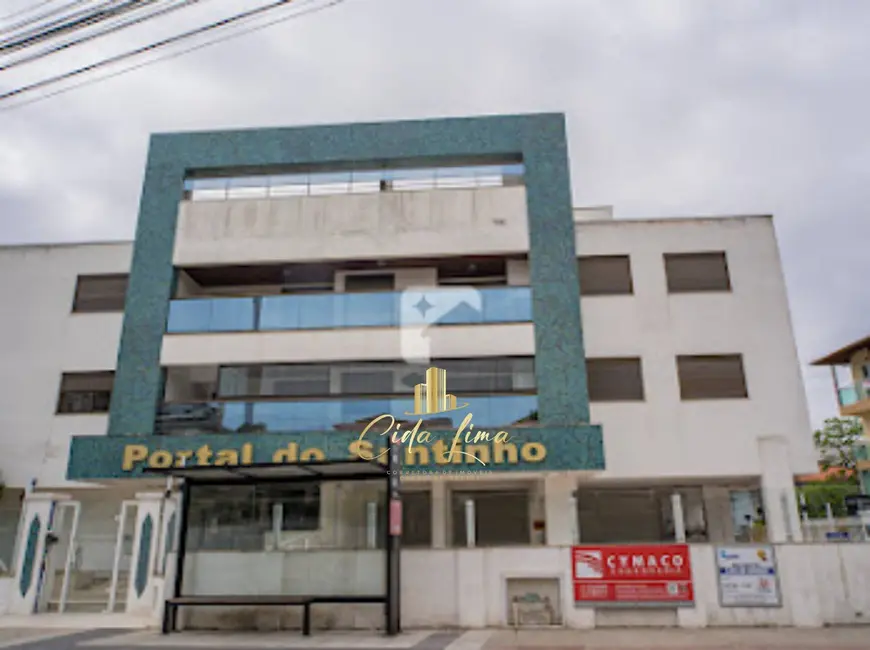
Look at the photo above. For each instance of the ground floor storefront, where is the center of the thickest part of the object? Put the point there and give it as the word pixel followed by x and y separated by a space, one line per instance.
pixel 475 553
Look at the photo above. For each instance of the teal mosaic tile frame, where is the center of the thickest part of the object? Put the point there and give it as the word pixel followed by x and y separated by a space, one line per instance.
pixel 538 140
pixel 527 449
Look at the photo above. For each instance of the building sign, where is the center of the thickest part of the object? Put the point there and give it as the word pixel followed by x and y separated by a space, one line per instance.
pixel 551 448
pixel 747 576
pixel 636 574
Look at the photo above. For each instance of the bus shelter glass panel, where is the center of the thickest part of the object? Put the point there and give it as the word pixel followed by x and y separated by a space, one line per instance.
pixel 287 538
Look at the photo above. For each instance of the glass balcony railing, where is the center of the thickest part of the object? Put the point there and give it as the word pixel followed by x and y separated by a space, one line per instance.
pixel 329 415
pixel 352 182
pixel 853 394
pixel 343 310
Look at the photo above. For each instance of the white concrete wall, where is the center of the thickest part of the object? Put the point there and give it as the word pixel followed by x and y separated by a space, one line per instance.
pixel 42 338
pixel 352 226
pixel 664 436
pixel 659 437
pixel 820 584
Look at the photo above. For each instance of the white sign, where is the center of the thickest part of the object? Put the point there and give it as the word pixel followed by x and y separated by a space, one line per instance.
pixel 747 576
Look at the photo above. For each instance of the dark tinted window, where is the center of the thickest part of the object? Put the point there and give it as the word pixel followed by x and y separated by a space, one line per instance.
pixel 501 518
pixel 95 293
pixel 85 392
pixel 605 275
pixel 416 519
pixel 364 381
pixel 711 377
pixel 687 272
pixel 486 375
pixel 615 380
pixel 362 283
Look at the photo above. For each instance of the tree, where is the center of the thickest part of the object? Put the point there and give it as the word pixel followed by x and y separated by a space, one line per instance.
pixel 816 495
pixel 836 442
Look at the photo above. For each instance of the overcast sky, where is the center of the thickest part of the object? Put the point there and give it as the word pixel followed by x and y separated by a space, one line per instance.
pixel 700 107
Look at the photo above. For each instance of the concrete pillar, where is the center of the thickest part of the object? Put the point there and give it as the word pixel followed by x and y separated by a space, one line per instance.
pixel 717 509
pixel 167 540
pixel 141 591
pixel 782 520
pixel 518 273
pixel 560 509
pixel 470 524
pixel 440 509
pixel 679 517
pixel 37 519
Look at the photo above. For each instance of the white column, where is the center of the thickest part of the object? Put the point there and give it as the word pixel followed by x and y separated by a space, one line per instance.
pixel 440 503
pixel 142 588
pixel 679 517
pixel 470 524
pixel 560 512
pixel 777 490
pixel 717 513
pixel 36 520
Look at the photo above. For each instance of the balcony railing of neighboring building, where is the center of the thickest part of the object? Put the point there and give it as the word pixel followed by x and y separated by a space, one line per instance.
pixel 333 415
pixel 338 310
pixel 850 391
pixel 352 182
pixel 849 395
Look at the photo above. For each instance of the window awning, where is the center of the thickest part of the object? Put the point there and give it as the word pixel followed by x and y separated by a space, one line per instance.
pixel 350 470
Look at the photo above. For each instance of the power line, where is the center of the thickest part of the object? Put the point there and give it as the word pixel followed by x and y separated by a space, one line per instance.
pixel 88 82
pixel 111 9
pixel 146 48
pixel 36 19
pixel 26 10
pixel 110 29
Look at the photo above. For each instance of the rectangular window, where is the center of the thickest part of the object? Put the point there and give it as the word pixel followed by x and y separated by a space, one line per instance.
pixel 369 381
pixel 100 293
pixel 615 379
pixel 501 517
pixel 274 381
pixel 299 506
pixel 493 375
pixel 416 519
pixel 479 272
pixel 711 377
pixel 85 392
pixel 364 283
pixel 690 272
pixel 605 275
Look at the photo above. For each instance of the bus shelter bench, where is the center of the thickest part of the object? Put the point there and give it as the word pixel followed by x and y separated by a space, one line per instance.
pixel 170 608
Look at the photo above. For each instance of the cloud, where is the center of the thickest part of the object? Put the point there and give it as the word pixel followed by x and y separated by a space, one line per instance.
pixel 674 108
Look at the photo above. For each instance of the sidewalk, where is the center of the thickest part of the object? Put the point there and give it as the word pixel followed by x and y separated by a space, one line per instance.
pixel 835 638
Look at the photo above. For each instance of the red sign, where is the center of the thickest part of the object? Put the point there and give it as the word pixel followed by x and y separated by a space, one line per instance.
pixel 395 517
pixel 636 573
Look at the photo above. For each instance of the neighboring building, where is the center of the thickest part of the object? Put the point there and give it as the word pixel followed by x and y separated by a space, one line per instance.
pixel 850 369
pixel 257 314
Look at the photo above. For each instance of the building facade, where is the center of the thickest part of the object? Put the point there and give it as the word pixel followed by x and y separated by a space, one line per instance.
pixel 287 286
pixel 850 371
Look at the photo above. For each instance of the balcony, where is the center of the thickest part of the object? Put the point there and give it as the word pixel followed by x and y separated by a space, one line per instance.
pixel 854 399
pixel 489 412
pixel 352 182
pixel 340 310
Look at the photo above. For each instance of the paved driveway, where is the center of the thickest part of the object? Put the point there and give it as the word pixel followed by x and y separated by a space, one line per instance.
pixel 839 638
pixel 856 638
